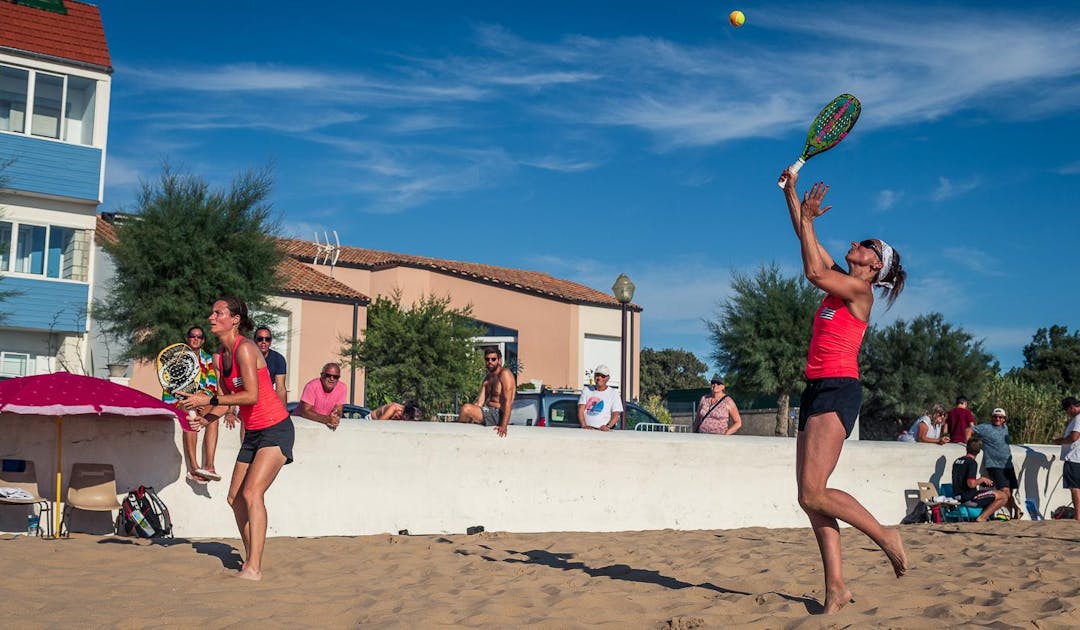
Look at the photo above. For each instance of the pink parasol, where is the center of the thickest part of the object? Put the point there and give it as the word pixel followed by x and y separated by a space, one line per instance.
pixel 64 394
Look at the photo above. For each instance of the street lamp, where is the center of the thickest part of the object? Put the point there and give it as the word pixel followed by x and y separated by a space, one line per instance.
pixel 624 292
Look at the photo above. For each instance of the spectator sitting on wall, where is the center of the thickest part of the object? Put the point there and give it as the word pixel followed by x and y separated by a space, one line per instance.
pixel 397 411
pixel 927 427
pixel 324 397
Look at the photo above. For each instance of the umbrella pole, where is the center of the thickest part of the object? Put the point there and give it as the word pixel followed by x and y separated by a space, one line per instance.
pixel 59 464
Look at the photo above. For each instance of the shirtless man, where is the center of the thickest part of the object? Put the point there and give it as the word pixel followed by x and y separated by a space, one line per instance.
pixel 496 398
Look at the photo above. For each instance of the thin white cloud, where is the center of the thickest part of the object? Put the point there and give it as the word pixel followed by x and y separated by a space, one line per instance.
pixel 1072 168
pixel 980 262
pixel 947 188
pixel 886 199
pixel 908 64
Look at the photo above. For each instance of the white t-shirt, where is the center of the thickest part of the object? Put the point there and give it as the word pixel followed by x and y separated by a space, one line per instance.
pixel 1071 452
pixel 599 405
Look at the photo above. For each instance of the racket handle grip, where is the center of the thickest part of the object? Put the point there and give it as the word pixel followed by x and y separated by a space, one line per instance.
pixel 794 168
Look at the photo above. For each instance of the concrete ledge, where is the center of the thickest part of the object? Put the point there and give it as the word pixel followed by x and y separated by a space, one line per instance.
pixel 374 477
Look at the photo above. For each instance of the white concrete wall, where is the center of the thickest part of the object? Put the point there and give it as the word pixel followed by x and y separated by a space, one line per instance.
pixel 374 477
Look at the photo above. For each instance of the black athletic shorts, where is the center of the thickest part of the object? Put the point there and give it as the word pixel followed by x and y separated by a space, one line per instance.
pixel 281 435
pixel 1003 477
pixel 822 395
pixel 1071 475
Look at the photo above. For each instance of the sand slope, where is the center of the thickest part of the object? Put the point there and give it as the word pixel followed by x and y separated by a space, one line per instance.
pixel 1015 574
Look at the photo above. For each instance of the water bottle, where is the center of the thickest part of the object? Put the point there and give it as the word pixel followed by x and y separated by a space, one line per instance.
pixel 33 524
pixel 140 520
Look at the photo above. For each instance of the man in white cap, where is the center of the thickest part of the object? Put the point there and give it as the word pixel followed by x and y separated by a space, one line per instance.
pixel 600 406
pixel 1070 451
pixel 997 458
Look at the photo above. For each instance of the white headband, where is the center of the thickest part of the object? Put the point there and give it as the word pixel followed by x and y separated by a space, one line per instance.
pixel 888 257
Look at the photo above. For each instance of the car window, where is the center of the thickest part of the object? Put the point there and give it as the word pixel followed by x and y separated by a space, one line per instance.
pixel 635 415
pixel 525 411
pixel 563 413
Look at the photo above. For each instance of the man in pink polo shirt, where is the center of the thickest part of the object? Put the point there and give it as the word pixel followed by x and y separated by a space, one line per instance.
pixel 323 397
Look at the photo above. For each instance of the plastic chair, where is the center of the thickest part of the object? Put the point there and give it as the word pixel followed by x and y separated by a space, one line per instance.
pixel 20 474
pixel 92 488
pixel 959 512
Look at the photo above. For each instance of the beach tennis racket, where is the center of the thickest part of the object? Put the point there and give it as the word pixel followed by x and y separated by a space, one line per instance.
pixel 828 129
pixel 178 371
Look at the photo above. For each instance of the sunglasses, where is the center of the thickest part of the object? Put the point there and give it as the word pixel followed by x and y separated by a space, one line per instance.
pixel 331 376
pixel 263 339
pixel 196 337
pixel 600 375
pixel 872 246
pixel 491 359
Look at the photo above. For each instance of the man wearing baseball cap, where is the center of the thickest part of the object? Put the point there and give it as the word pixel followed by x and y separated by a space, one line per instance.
pixel 1070 451
pixel 599 406
pixel 997 458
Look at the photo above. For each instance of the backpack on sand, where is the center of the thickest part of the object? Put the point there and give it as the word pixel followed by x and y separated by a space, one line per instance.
pixel 144 515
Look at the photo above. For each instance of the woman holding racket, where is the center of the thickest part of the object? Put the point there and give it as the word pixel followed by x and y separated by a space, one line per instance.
pixel 833 395
pixel 267 445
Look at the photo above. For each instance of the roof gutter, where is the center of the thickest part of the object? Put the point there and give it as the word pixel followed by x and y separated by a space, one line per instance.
pixel 54 59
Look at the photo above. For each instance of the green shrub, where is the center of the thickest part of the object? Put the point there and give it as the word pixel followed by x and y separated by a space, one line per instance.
pixel 1034 411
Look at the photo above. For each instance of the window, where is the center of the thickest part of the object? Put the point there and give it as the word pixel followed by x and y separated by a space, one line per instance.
pixel 61 106
pixel 45 250
pixel 13 364
pixel 48 98
pixel 30 249
pixel 13 82
pixel 563 413
pixel 5 246
pixel 79 112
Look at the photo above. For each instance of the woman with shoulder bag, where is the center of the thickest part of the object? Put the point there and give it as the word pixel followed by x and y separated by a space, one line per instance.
pixel 717 412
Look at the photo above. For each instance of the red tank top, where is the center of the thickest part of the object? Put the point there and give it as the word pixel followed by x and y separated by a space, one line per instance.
pixel 267 410
pixel 834 346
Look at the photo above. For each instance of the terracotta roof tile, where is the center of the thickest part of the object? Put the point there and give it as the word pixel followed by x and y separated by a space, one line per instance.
pixel 77 36
pixel 533 282
pixel 302 281
pixel 297 278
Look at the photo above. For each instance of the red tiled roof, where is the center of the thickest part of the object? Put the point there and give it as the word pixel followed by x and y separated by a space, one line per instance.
pixel 297 278
pixel 77 36
pixel 533 282
pixel 302 281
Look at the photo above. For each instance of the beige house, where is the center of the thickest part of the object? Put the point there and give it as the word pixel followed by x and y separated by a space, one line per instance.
pixel 555 330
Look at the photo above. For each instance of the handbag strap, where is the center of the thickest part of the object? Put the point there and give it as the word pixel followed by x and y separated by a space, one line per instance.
pixel 697 425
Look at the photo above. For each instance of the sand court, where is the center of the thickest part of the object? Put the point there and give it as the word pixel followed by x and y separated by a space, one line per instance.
pixel 1006 574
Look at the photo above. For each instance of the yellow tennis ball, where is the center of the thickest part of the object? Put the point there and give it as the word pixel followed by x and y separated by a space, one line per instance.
pixel 736 18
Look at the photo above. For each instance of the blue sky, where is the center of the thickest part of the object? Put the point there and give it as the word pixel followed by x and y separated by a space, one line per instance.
pixel 591 139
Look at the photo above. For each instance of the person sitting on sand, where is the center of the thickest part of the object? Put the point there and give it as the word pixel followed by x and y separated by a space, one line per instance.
pixel 397 411
pixel 970 488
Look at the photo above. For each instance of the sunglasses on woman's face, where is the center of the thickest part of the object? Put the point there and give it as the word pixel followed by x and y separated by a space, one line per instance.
pixel 872 246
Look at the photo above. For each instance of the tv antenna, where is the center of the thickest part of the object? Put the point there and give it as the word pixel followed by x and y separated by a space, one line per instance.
pixel 326 251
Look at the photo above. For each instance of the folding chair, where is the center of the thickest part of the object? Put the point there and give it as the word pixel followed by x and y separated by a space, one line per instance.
pixel 93 488
pixel 959 512
pixel 20 474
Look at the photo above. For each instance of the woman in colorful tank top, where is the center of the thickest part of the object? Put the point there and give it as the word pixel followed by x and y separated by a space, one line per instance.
pixel 717 412
pixel 244 381
pixel 833 396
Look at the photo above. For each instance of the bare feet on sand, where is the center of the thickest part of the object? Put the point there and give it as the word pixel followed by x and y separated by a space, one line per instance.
pixel 894 549
pixel 834 604
pixel 249 574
